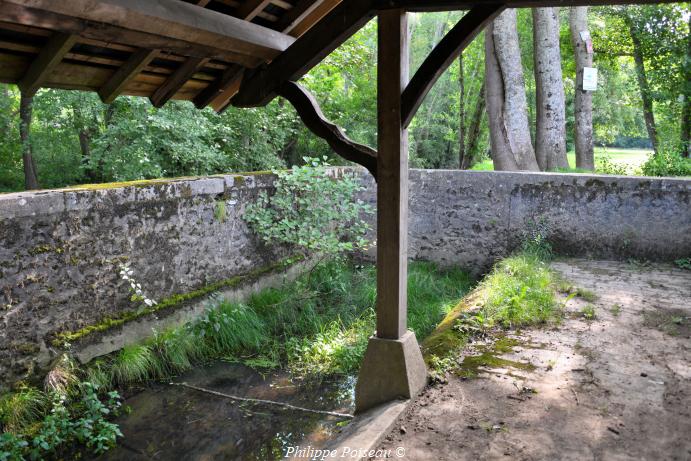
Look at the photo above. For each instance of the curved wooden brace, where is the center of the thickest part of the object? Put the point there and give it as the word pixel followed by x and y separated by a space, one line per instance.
pixel 312 116
pixel 441 57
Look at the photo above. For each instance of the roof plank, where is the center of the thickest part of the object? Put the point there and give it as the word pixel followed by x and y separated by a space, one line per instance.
pixel 59 44
pixel 173 19
pixel 119 80
pixel 231 78
pixel 251 9
pixel 177 80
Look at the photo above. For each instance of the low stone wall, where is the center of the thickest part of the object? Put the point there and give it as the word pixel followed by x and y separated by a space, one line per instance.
pixel 60 251
pixel 473 218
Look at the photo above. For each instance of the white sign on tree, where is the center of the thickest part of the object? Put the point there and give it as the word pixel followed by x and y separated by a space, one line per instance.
pixel 589 79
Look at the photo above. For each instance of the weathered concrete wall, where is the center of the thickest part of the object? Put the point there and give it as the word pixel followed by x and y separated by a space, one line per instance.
pixel 473 218
pixel 60 251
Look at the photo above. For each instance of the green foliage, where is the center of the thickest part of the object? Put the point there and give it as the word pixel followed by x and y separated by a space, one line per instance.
pixel 605 165
pixel 21 408
pixel 536 240
pixel 63 426
pixel 667 163
pixel 588 312
pixel 683 263
pixel 519 291
pixel 312 210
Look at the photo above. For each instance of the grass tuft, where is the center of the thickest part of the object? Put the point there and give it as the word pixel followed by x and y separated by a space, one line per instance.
pixel 20 409
pixel 136 363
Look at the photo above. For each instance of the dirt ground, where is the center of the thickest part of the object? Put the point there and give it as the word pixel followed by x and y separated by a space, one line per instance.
pixel 611 388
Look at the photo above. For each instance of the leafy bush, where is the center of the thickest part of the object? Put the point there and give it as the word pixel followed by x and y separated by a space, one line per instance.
pixel 312 210
pixel 605 165
pixel 69 423
pixel 667 163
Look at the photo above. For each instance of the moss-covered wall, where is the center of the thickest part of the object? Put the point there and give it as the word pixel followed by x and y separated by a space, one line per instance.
pixel 60 254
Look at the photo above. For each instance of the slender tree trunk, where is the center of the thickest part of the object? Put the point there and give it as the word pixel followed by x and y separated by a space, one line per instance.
pixel 583 101
pixel 507 106
pixel 643 84
pixel 686 111
pixel 550 120
pixel 474 130
pixel 25 114
pixel 461 114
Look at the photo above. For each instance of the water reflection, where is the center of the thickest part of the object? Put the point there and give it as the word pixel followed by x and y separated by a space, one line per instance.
pixel 172 422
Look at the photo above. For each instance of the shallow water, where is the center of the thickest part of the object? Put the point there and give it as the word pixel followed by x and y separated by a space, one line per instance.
pixel 177 423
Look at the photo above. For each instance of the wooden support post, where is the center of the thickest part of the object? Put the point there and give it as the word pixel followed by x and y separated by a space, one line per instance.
pixel 392 172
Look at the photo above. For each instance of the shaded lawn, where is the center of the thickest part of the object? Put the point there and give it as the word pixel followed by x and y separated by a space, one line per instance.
pixel 631 158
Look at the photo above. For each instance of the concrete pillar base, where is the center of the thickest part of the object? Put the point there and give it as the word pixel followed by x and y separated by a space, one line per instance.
pixel 392 368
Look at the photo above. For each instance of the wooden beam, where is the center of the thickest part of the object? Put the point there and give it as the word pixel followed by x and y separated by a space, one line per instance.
pixel 36 18
pixel 134 65
pixel 176 80
pixel 231 78
pixel 441 57
pixel 453 5
pixel 251 8
pixel 260 86
pixel 313 17
pixel 59 44
pixel 392 170
pixel 297 14
pixel 175 20
pixel 312 116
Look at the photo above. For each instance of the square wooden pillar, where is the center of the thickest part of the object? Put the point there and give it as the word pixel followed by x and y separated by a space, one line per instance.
pixel 393 366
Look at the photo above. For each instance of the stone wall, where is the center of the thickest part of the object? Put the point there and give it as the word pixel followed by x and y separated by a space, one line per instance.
pixel 60 251
pixel 473 218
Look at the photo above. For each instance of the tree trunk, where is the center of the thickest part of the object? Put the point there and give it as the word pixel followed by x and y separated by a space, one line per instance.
pixel 583 101
pixel 686 111
pixel 461 114
pixel 25 112
pixel 643 84
pixel 474 130
pixel 507 107
pixel 550 120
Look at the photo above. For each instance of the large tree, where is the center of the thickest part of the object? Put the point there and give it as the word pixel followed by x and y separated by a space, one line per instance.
pixel 507 106
pixel 550 121
pixel 25 114
pixel 583 100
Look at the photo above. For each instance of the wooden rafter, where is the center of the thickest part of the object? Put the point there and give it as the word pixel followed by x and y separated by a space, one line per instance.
pixel 296 14
pixel 125 74
pixel 59 44
pixel 251 8
pixel 176 80
pixel 219 89
pixel 446 51
pixel 312 116
pixel 261 85
pixel 174 20
pixel 108 33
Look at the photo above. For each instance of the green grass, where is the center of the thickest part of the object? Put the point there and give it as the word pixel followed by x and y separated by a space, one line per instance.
pixel 21 408
pixel 519 291
pixel 315 326
pixel 631 159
